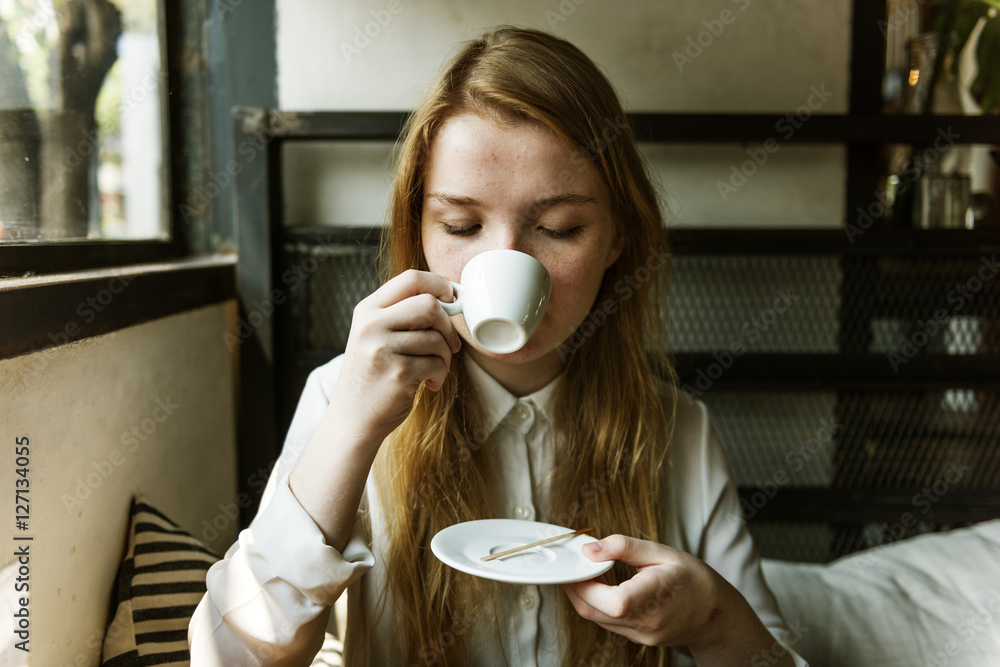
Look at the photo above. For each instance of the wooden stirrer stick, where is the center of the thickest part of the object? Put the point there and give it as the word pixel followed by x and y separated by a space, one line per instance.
pixel 537 544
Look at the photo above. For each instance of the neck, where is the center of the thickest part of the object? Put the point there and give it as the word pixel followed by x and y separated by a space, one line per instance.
pixel 524 378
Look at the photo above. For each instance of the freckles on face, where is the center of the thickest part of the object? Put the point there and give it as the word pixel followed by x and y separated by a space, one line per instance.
pixel 490 186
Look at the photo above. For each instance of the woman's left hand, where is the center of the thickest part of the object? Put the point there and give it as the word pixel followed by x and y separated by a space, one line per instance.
pixel 674 599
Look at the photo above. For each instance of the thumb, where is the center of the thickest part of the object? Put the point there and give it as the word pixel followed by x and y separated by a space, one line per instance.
pixel 629 550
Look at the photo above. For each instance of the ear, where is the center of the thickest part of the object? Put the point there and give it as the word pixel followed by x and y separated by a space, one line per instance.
pixel 617 246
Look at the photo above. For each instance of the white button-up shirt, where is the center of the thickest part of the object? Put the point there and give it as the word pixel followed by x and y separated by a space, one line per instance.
pixel 280 574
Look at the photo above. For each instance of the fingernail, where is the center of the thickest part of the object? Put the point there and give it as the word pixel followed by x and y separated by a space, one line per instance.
pixel 594 546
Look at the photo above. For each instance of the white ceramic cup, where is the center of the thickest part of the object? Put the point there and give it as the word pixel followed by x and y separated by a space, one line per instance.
pixel 503 296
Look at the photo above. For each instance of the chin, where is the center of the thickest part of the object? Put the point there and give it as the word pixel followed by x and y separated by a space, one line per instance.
pixel 542 344
pixel 533 350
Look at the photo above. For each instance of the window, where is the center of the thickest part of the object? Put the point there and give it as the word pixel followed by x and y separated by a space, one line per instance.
pixel 83 125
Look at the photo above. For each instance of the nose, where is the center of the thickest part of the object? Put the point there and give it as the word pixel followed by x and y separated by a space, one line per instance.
pixel 511 238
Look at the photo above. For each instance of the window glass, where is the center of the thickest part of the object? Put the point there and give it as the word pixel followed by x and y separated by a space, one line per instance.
pixel 81 121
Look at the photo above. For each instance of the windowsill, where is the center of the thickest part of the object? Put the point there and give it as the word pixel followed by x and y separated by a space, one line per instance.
pixel 44 311
pixel 117 271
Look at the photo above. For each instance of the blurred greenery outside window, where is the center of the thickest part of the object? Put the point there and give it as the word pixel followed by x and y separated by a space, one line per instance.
pixel 82 130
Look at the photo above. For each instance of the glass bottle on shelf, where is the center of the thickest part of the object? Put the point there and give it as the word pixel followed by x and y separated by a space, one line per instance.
pixel 928 186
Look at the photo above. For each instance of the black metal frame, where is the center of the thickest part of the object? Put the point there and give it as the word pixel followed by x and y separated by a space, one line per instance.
pixel 863 130
pixel 675 128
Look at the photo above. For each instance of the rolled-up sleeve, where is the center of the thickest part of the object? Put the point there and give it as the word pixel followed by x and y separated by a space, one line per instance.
pixel 267 600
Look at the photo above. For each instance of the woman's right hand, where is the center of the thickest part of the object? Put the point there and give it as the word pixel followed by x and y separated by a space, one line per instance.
pixel 400 338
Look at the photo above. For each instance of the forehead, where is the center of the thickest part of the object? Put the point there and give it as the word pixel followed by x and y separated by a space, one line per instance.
pixel 482 158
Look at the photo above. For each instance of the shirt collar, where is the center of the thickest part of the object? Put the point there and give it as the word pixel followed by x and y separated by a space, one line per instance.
pixel 497 402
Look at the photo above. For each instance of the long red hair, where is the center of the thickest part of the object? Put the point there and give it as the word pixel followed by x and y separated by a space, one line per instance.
pixel 615 409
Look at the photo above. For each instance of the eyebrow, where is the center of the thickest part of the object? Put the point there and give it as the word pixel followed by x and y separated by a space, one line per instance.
pixel 454 200
pixel 565 199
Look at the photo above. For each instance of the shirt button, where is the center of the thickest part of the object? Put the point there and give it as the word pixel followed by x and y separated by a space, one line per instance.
pixel 523 412
pixel 526 601
pixel 524 512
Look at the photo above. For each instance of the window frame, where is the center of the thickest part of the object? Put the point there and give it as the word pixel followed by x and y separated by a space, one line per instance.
pixel 181 124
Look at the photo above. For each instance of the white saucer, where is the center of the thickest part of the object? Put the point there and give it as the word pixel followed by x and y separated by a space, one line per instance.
pixel 461 546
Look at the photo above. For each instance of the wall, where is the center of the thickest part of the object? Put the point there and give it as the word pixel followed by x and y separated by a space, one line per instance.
pixel 171 382
pixel 661 55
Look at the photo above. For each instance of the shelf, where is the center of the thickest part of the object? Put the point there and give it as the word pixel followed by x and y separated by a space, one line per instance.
pixel 826 128
pixel 851 506
pixel 679 127
pixel 832 372
pixel 336 125
pixel 778 241
pixel 313 236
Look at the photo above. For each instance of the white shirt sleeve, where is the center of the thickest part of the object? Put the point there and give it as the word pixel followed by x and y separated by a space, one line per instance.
pixel 709 522
pixel 267 601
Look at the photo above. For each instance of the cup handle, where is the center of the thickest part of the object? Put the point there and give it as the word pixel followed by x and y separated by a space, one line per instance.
pixel 455 307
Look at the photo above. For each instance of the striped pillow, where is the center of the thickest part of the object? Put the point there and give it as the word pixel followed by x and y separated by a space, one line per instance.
pixel 160 583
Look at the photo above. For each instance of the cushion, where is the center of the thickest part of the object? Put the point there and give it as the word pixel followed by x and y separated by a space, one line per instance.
pixel 929 600
pixel 159 584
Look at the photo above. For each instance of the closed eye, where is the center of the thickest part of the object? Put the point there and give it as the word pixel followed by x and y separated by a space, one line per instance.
pixel 463 230
pixel 561 233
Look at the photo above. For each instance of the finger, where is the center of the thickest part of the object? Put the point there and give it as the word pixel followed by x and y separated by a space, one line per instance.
pixel 422 343
pixel 612 625
pixel 629 550
pixel 585 609
pixel 430 370
pixel 422 311
pixel 615 604
pixel 411 283
pixel 395 355
pixel 599 602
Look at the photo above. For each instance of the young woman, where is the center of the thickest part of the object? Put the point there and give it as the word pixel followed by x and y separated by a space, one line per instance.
pixel 521 144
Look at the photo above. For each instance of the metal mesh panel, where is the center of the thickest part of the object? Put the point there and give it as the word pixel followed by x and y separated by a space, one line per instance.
pixel 906 440
pixel 804 304
pixel 878 438
pixel 347 275
pixel 769 303
pixel 766 303
pixel 784 435
pixel 928 444
pixel 931 305
pixel 886 440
